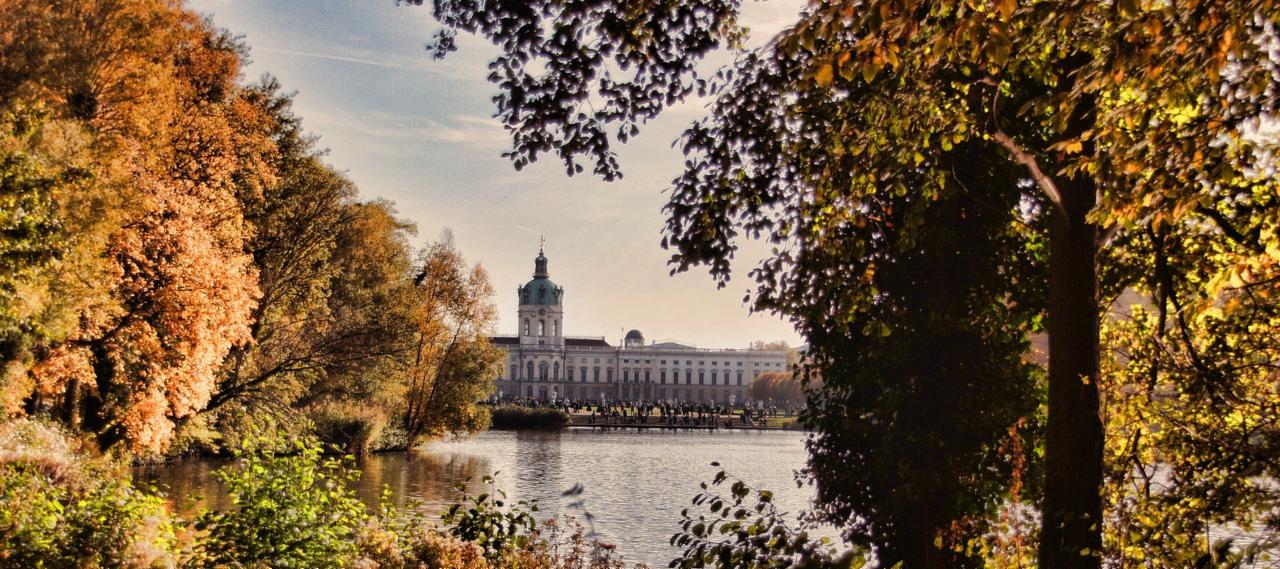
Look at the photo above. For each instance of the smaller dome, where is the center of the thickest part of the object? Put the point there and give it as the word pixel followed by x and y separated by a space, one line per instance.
pixel 634 339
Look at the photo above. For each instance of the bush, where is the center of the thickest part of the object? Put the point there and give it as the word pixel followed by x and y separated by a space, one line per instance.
pixel 510 417
pixel 63 509
pixel 735 533
pixel 481 532
pixel 563 543
pixel 291 511
pixel 486 520
pixel 352 428
pixel 67 511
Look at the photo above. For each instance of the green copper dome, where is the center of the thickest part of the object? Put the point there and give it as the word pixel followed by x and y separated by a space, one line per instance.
pixel 541 290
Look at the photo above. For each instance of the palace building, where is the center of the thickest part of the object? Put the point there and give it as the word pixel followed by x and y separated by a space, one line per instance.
pixel 543 363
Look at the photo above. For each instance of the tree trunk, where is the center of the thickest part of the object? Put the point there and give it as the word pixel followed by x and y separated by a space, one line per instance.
pixel 71 405
pixel 1071 534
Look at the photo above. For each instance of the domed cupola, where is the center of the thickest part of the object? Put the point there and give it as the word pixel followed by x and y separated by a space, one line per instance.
pixel 634 339
pixel 541 290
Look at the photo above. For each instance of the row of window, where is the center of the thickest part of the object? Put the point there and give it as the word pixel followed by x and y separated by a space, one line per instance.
pixel 542 327
pixel 700 362
pixel 677 362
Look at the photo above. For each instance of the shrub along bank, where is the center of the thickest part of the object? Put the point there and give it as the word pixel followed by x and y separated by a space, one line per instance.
pixel 64 508
pixel 512 417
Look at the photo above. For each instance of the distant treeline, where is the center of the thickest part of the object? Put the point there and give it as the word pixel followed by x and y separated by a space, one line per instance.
pixel 777 386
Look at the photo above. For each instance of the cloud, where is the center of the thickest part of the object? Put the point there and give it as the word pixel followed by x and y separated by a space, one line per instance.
pixel 470 130
pixel 476 132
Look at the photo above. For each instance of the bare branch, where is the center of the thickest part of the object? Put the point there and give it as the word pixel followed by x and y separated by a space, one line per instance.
pixel 1022 157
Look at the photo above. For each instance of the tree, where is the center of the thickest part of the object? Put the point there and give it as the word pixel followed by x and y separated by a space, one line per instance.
pixel 1191 395
pixel 32 236
pixel 374 302
pixel 777 386
pixel 334 274
pixel 156 287
pixel 454 365
pixel 1122 116
pixel 922 367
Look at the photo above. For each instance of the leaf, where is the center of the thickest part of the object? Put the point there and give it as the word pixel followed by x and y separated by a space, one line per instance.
pixel 825 75
pixel 1007 8
pixel 870 70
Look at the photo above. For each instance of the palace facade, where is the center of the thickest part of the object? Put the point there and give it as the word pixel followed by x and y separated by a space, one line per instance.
pixel 543 363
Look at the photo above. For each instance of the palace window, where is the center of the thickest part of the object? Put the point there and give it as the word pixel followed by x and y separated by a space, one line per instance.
pixel 739 377
pixel 568 374
pixel 662 376
pixel 529 372
pixel 608 375
pixel 556 374
pixel 701 377
pixel 597 374
pixel 646 376
pixel 526 326
pixel 542 327
pixel 713 378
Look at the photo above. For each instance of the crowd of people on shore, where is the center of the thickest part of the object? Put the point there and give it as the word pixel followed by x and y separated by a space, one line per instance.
pixel 664 413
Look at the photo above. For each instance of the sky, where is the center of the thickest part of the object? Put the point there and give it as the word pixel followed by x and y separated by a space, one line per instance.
pixel 419 132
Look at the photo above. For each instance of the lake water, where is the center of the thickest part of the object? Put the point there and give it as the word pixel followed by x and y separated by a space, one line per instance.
pixel 634 483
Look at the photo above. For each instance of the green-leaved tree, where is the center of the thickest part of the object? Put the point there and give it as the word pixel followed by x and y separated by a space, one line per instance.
pixel 1120 117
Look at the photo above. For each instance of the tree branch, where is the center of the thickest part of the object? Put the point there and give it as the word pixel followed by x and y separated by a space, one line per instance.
pixel 1229 230
pixel 1022 157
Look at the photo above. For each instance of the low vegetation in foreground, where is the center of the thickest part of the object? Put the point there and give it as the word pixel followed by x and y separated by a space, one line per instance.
pixel 294 508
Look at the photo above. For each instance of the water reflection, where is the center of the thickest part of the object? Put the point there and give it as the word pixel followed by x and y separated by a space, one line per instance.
pixel 420 476
pixel 538 473
pixel 634 483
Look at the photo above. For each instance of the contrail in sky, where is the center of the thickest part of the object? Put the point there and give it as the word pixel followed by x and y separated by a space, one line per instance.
pixel 331 57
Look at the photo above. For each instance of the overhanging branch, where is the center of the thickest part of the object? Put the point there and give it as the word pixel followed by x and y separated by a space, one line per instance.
pixel 1022 157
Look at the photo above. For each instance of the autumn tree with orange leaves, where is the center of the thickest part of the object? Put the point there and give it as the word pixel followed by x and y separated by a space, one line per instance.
pixel 180 263
pixel 153 286
pixel 454 364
